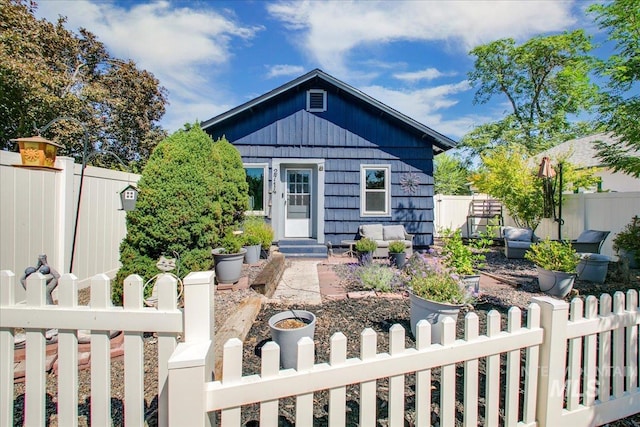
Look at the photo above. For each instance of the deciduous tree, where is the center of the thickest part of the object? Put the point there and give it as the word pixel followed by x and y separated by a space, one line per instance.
pixel 544 81
pixel 621 107
pixel 450 175
pixel 47 72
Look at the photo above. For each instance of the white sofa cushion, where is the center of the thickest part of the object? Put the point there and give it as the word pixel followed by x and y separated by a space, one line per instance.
pixel 372 231
pixel 518 234
pixel 393 232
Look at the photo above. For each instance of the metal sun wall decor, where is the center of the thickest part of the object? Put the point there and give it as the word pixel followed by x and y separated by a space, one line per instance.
pixel 410 183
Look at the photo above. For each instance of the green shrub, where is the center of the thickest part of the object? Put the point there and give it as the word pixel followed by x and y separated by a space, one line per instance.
pixel 233 187
pixel 629 238
pixel 396 247
pixel 375 276
pixel 366 245
pixel 460 258
pixel 232 242
pixel 553 255
pixel 257 226
pixel 182 207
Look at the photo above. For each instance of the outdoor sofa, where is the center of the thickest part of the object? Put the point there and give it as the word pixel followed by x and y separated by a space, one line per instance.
pixel 385 234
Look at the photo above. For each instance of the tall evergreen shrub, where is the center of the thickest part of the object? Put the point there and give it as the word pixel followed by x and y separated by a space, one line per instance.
pixel 189 192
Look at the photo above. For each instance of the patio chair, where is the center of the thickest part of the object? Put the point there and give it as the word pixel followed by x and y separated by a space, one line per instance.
pixel 590 241
pixel 517 241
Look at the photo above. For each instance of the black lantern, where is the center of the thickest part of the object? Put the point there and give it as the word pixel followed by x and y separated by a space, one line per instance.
pixel 128 198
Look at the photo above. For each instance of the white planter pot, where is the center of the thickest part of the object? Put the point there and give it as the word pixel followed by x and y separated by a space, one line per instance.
pixel 288 339
pixel 228 267
pixel 555 283
pixel 433 312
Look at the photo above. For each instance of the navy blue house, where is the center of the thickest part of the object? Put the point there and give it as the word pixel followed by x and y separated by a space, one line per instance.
pixel 323 158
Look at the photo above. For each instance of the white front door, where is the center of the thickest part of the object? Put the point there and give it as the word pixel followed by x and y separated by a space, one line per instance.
pixel 298 203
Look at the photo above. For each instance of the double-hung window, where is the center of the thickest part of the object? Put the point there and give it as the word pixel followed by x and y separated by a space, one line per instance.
pixel 375 190
pixel 257 180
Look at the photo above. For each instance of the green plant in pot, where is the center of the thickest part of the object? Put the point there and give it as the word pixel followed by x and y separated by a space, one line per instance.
pixel 397 253
pixel 465 260
pixel 257 226
pixel 435 292
pixel 556 263
pixel 228 258
pixel 252 243
pixel 365 248
pixel 627 243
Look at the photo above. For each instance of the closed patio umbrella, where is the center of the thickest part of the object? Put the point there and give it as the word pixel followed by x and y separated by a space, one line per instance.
pixel 547 173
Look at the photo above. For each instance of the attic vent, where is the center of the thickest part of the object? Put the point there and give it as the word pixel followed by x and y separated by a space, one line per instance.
pixel 316 101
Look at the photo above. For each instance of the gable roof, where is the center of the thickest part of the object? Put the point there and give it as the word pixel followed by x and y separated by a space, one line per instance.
pixel 440 141
pixel 582 151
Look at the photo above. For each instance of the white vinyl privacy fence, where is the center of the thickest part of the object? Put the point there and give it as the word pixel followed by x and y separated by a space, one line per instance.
pixel 37 215
pixel 583 211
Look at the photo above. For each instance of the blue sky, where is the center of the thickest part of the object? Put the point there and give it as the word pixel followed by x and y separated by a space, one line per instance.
pixel 412 55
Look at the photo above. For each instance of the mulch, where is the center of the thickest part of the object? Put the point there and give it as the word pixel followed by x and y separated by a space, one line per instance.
pixel 352 316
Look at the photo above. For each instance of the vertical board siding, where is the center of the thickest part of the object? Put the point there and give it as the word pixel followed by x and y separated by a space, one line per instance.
pixel 347 135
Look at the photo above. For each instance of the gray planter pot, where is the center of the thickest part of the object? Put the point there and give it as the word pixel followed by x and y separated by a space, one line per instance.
pixel 288 339
pixel 364 257
pixel 593 267
pixel 555 283
pixel 398 260
pixel 228 267
pixel 630 256
pixel 253 254
pixel 433 312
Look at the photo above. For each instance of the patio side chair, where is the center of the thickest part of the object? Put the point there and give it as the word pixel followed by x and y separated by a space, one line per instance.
pixel 590 241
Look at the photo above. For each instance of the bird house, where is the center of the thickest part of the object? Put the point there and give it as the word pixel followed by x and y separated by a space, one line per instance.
pixel 37 151
pixel 128 198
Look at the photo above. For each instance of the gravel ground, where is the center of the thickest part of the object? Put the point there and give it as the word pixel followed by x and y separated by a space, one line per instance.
pixel 348 316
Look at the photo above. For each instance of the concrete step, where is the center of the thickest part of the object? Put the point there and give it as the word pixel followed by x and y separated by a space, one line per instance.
pixel 302 248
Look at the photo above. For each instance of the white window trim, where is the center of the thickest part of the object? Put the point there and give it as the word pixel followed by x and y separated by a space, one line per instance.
pixel 265 187
pixel 387 190
pixel 324 101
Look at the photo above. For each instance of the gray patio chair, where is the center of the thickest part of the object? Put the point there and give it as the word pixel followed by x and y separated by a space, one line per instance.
pixel 517 241
pixel 590 241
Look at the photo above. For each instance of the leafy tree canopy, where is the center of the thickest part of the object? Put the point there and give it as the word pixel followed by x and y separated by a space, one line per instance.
pixel 47 72
pixel 620 109
pixel 450 175
pixel 544 81
pixel 510 175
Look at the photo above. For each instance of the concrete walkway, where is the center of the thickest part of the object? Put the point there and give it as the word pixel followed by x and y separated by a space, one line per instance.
pixel 299 284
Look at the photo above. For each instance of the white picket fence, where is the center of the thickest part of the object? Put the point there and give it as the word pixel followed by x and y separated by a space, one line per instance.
pixel 572 364
pixel 598 384
pixel 101 317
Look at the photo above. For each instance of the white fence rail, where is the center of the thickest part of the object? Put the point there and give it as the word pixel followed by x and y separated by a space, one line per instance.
pixel 599 383
pixel 572 364
pixel 37 215
pixel 101 318
pixel 583 211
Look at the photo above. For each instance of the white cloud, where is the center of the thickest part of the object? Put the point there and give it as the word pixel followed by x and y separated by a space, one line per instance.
pixel 423 105
pixel 426 74
pixel 182 46
pixel 284 70
pixel 329 30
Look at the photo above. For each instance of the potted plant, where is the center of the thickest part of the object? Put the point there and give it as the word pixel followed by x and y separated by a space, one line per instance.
pixel 556 263
pixel 287 328
pixel 465 260
pixel 228 258
pixel 627 243
pixel 365 248
pixel 252 243
pixel 397 254
pixel 258 227
pixel 435 292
